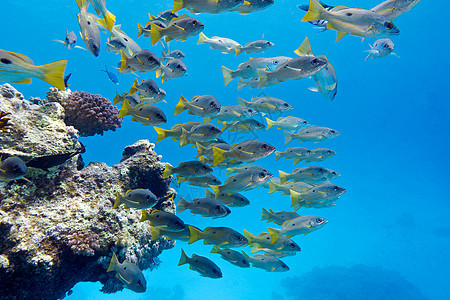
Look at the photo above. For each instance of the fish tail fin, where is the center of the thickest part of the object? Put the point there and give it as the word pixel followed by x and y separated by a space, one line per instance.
pixel 144 216
pixel 201 150
pixel 207 119
pixel 241 85
pixel 118 200
pixel 133 88
pixel 82 5
pixel 181 106
pixel 263 77
pixel 270 123
pixel 182 205
pixel 110 19
pixel 216 189
pixel 247 257
pixel 123 61
pixel 155 33
pixel 215 249
pixel 183 259
pixel 229 171
pixel 295 198
pixel 54 74
pixel 304 49
pixel 140 27
pixel 297 160
pixel 242 102
pixel 314 12
pixel 238 50
pixel 226 125
pixel 168 170
pixel 275 234
pixel 278 155
pixel 183 137
pixel 250 237
pixel 210 194
pixel 177 5
pixel 195 234
pixel 272 187
pixel 114 261
pixel 116 99
pixel 156 233
pixel 227 75
pixel 124 111
pixel 202 38
pixel 219 155
pixel 162 133
pixel 288 137
pixel 181 179
pixel 255 248
pixel 266 215
pixel 283 177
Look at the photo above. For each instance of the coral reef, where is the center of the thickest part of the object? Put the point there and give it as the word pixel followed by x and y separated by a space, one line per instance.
pixel 60 228
pixel 89 114
pixel 4 121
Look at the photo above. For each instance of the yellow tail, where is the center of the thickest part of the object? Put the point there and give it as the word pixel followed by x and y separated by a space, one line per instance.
pixel 215 249
pixel 156 233
pixel 263 77
pixel 275 234
pixel 117 99
pixel 297 160
pixel 219 155
pixel 118 200
pixel 278 155
pixel 288 137
pixel 182 205
pixel 184 137
pixel 266 216
pixel 272 187
pixel 140 27
pixel 125 110
pixel 168 170
pixel 202 38
pixel 110 19
pixel 145 215
pixel 230 170
pixel 283 177
pixel 54 74
pixel 155 33
pixel 162 133
pixel 270 123
pixel 177 5
pixel 304 49
pixel 200 150
pixel 114 261
pixel 238 50
pixel 226 125
pixel 181 179
pixel 295 198
pixel 210 194
pixel 216 189
pixel 250 237
pixel 195 234
pixel 133 88
pixel 181 105
pixel 183 259
pixel 82 5
pixel 315 11
pixel 123 61
pixel 227 75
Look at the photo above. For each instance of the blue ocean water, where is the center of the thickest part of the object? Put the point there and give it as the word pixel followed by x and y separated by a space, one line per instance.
pixel 392 223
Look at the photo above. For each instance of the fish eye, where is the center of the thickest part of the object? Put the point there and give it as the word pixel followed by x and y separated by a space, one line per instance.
pixel 211 104
pixel 283 266
pixel 218 207
pixel 332 131
pixel 320 170
pixel 349 14
pixel 125 39
pixel 177 223
pixel 262 174
pixel 158 115
pixel 265 146
pixel 214 271
pixel 239 238
pixel 313 191
pixel 148 197
pixel 292 245
pixel 194 22
pixel 319 220
pixel 309 151
pixel 336 188
pixel 89 22
pixel 334 173
pixel 388 25
pixel 204 168
pixel 139 282
pixel 94 47
pixel 150 58
pixel 293 224
pixel 315 61
pixel 329 151
pixel 268 43
pixel 285 105
pixel 244 261
pixel 250 110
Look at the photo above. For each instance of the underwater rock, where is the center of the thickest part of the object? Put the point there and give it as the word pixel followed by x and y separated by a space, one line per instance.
pixel 60 228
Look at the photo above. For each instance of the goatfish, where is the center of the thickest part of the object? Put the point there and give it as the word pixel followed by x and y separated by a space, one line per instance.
pixel 142 61
pixel 301 225
pixel 392 9
pixel 250 6
pixel 278 217
pixel 220 236
pixel 175 131
pixel 146 114
pixel 129 274
pixel 325 78
pixel 287 123
pixel 311 134
pixel 232 256
pixel 206 207
pixel 223 44
pixel 164 219
pixel 109 18
pixel 231 200
pixel 244 126
pixel 264 240
pixel 266 262
pixel 311 174
pixel 12 168
pixel 247 151
pixel 204 181
pixel 296 153
pixel 180 28
pixel 70 41
pixel 174 68
pixel 204 106
pixel 266 104
pixel 201 264
pixel 89 30
pixel 242 181
pixel 16 67
pixel 205 6
pixel 188 169
pixel 356 21
pixel 253 47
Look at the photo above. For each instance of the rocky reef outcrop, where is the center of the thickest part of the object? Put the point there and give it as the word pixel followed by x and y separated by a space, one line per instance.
pixel 59 228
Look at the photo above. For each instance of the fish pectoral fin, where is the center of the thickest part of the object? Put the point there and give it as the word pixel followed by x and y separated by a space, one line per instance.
pixel 271 106
pixel 294 69
pixel 386 11
pixel 26 81
pixel 121 278
pixel 179 27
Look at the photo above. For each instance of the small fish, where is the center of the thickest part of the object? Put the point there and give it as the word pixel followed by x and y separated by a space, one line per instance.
pixel 278 217
pixel 232 113
pixel 232 256
pixel 266 262
pixel 288 123
pixel 253 47
pixel 182 235
pixel 146 114
pixel 220 236
pixel 356 21
pixel 188 169
pixel 250 6
pixel 111 76
pixel 208 151
pixel 273 253
pixel 247 151
pixel 251 83
pixel 129 274
pixel 122 40
pixel 66 80
pixel 320 154
pixel 205 6
pixel 296 68
pixel 175 132
pixel 204 181
pixel 266 105
pixel 286 188
pixel 244 126
pixel 322 24
pixel 200 133
pixel 174 54
pixel 242 181
pixel 255 168
pixel 89 30
pixel 147 29
pixel 12 168
pixel 180 28
pixel 296 153
pixel 264 240
pixel 223 44
pixel 311 174
pixel 392 9
pixel 206 207
pixel 231 200
pixel 166 220
pixel 115 44
pixel 70 41
pixel 133 99
pixel 108 18
pixel 148 89
pixel 165 16
pixel 173 69
pixel 322 193
pixel 137 198
pixel 381 48
pixel 142 61
pixel 311 134
pixel 301 225
pixel 201 264
pixel 204 106
pixel 16 67
pixel 249 68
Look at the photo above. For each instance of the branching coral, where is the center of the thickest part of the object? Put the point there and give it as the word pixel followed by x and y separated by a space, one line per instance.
pixel 83 242
pixel 90 114
pixel 4 125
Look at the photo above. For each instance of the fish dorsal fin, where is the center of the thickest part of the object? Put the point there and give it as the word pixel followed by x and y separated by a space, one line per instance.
pixel 339 7
pixel 304 49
